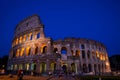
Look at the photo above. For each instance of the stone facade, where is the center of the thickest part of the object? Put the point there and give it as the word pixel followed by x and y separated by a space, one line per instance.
pixel 32 51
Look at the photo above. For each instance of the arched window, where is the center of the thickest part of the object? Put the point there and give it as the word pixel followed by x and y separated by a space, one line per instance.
pixel 24 38
pixel 31 37
pixel 16 42
pixel 33 66
pixel 97 54
pixel 82 46
pixel 55 50
pixel 83 54
pixel 73 67
pixel 20 40
pixel 43 67
pixel 77 53
pixel 17 52
pixel 53 66
pixel 27 66
pixel 63 50
pixel 28 49
pixel 14 52
pixel 36 50
pixel 22 52
pixel 89 66
pixel 38 35
pixel 44 49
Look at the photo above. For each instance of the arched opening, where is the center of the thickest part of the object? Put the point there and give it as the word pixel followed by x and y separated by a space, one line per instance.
pixel 15 67
pixel 42 67
pixel 53 66
pixel 27 66
pixel 20 66
pixel 82 46
pixel 20 40
pixel 83 54
pixel 22 52
pixel 28 49
pixel 36 50
pixel 38 35
pixel 16 42
pixel 55 50
pixel 33 66
pixel 14 54
pixel 44 50
pixel 77 53
pixel 63 50
pixel 24 38
pixel 89 67
pixel 17 52
pixel 97 54
pixel 73 67
pixel 31 36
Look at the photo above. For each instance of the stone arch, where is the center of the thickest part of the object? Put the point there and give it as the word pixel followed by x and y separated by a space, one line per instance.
pixel 82 46
pixel 22 52
pixel 36 50
pixel 63 50
pixel 27 65
pixel 55 50
pixel 28 50
pixel 44 50
pixel 73 67
pixel 53 66
pixel 17 52
pixel 20 39
pixel 43 67
pixel 77 53
pixel 33 66
pixel 38 35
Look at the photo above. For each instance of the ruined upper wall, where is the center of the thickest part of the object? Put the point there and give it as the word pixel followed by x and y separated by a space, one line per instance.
pixel 79 41
pixel 32 22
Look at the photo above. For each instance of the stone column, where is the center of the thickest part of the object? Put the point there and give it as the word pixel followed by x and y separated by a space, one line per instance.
pixel 42 35
pixel 92 65
pixel 37 67
pixel 47 65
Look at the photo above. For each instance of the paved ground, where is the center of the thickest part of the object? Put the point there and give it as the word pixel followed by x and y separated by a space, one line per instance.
pixel 7 77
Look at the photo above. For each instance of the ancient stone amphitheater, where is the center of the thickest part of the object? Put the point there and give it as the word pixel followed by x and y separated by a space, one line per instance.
pixel 32 51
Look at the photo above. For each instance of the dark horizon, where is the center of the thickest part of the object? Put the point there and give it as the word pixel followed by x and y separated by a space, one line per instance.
pixel 96 20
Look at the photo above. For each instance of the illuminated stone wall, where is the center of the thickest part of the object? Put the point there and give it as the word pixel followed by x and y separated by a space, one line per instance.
pixel 33 51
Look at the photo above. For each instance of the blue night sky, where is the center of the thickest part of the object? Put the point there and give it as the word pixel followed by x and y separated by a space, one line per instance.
pixel 92 19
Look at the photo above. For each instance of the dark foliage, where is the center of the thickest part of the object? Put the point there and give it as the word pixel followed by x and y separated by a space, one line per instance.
pixel 3 62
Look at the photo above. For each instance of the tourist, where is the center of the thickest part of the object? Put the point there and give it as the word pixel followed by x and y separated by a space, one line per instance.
pixel 20 74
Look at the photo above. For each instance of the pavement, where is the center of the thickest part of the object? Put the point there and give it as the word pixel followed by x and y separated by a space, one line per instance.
pixel 26 77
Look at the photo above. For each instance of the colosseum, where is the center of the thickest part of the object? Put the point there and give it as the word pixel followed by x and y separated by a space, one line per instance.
pixel 32 51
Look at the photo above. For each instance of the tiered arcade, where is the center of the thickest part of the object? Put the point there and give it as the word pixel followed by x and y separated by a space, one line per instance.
pixel 32 51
